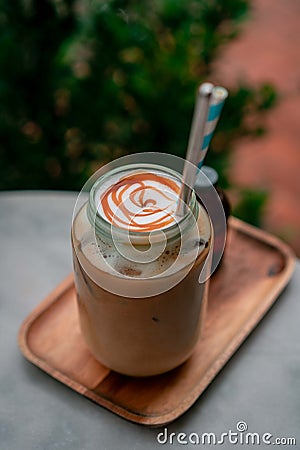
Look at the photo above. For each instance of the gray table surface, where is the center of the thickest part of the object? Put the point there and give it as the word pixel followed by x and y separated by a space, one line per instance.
pixel 260 385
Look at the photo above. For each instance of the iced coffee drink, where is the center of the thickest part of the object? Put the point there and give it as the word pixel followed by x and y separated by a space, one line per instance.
pixel 137 266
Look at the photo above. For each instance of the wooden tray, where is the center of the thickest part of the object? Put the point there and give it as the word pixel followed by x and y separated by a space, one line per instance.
pixel 255 269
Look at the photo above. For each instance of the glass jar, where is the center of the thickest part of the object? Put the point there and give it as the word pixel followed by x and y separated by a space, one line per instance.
pixel 141 306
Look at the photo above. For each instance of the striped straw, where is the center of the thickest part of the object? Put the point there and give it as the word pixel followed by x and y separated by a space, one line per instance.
pixel 194 145
pixel 217 100
pixel 209 104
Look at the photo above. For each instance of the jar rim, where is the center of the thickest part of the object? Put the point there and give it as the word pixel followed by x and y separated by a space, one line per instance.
pixel 104 226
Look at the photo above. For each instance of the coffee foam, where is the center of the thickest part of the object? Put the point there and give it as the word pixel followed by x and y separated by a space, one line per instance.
pixel 138 200
pixel 103 255
pixel 99 254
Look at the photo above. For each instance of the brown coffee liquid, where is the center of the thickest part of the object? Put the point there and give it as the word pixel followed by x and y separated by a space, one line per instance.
pixel 141 336
pixel 137 336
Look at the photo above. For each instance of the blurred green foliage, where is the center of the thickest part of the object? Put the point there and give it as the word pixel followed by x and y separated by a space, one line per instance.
pixel 83 82
pixel 250 206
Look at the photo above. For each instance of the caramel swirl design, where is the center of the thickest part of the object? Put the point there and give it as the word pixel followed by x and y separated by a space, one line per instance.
pixel 141 201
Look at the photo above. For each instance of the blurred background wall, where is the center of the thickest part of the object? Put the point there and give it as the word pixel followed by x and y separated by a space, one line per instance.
pixel 268 49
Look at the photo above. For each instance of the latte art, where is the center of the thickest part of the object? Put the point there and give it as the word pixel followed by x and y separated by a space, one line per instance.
pixel 140 201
